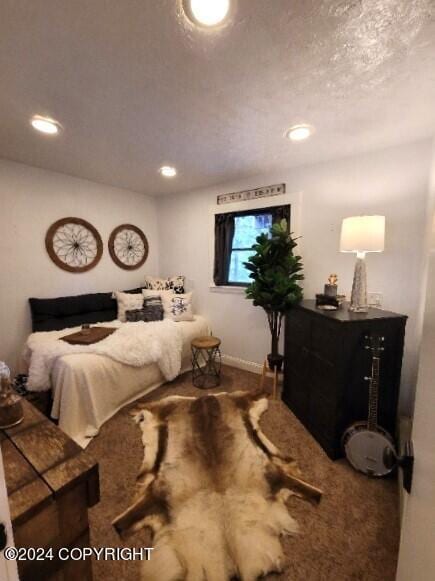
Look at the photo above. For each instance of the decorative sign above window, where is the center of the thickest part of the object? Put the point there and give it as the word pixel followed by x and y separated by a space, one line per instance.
pixel 265 192
pixel 128 247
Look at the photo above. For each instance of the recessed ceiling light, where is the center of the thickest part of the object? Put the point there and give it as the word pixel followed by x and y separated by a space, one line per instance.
pixel 299 132
pixel 45 125
pixel 207 12
pixel 167 171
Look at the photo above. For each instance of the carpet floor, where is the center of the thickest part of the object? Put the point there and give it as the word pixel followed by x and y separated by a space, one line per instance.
pixel 352 535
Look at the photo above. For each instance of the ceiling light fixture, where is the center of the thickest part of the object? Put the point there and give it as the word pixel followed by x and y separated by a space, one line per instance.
pixel 207 12
pixel 299 132
pixel 45 125
pixel 167 171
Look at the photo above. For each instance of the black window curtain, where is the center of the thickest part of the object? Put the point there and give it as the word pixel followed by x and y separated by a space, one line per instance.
pixel 223 241
pixel 280 212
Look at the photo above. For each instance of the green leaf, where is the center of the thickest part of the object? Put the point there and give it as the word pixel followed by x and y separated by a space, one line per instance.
pixel 275 271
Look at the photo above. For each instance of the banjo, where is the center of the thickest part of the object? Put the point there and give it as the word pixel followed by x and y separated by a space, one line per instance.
pixel 369 447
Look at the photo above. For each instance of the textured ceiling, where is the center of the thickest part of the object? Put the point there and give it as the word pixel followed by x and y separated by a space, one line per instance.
pixel 136 86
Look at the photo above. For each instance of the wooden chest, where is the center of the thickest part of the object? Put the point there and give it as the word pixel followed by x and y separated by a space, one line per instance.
pixel 51 482
pixel 325 367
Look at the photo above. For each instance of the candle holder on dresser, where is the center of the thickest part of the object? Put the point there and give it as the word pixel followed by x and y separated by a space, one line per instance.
pixel 330 300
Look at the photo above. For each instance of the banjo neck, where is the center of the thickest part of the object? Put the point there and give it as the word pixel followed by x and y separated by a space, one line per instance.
pixel 372 420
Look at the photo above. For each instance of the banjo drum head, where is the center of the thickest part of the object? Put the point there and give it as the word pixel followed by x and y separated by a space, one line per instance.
pixel 365 451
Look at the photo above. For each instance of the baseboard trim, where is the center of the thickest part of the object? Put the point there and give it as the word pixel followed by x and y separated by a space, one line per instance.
pixel 242 364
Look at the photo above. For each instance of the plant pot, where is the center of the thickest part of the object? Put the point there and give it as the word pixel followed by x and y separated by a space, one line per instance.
pixel 275 361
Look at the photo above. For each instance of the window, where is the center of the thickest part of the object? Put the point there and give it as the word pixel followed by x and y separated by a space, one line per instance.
pixel 246 230
pixel 235 234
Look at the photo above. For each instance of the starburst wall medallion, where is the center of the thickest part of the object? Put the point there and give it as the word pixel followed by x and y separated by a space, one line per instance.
pixel 74 244
pixel 128 247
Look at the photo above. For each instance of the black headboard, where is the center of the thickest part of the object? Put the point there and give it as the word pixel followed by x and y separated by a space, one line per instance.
pixel 65 312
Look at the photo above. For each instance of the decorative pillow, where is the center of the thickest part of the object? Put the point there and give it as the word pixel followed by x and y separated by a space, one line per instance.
pixel 154 308
pixel 135 315
pixel 152 301
pixel 151 294
pixel 127 302
pixel 133 291
pixel 143 315
pixel 178 307
pixel 152 311
pixel 152 283
pixel 174 283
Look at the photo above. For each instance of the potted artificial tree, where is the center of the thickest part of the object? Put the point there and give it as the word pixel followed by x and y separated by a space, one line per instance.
pixel 275 273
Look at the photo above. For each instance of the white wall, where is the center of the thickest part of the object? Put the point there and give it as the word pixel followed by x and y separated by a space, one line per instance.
pixel 392 182
pixel 416 555
pixel 30 201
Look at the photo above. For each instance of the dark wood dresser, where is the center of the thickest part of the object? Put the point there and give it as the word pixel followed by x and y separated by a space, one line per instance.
pixel 51 483
pixel 325 367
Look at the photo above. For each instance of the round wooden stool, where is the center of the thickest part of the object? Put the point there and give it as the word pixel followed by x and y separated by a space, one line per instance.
pixel 206 362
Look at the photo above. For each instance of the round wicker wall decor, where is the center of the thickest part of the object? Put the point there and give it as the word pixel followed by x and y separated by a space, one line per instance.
pixel 74 244
pixel 128 247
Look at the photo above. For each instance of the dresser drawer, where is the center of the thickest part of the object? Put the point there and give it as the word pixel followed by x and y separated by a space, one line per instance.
pixel 326 340
pixel 297 395
pixel 322 416
pixel 297 357
pixel 298 330
pixel 324 376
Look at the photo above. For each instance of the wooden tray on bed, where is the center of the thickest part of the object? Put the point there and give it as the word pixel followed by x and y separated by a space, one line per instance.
pixel 96 334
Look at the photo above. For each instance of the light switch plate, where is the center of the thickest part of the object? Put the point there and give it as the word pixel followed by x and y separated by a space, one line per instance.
pixel 375 300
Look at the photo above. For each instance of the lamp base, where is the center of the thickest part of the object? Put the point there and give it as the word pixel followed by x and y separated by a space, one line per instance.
pixel 358 309
pixel 358 301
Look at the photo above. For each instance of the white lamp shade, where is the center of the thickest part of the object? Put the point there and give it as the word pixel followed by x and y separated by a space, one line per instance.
pixel 363 234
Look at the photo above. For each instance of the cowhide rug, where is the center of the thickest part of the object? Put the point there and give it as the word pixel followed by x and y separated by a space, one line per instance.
pixel 212 488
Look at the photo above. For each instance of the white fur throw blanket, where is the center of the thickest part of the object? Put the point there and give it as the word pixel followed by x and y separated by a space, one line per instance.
pixel 136 344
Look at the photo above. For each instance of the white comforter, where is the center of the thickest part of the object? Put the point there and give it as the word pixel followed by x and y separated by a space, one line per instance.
pixel 136 344
pixel 89 388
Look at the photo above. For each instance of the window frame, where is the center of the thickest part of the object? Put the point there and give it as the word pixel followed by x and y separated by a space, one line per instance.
pixel 252 212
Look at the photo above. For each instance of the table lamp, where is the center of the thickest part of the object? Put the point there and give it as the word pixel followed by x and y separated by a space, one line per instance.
pixel 361 234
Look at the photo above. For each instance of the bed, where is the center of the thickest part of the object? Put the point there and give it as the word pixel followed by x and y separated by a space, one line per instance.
pixel 88 388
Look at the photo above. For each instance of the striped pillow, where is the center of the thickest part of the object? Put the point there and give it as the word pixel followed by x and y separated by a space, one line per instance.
pixel 152 311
